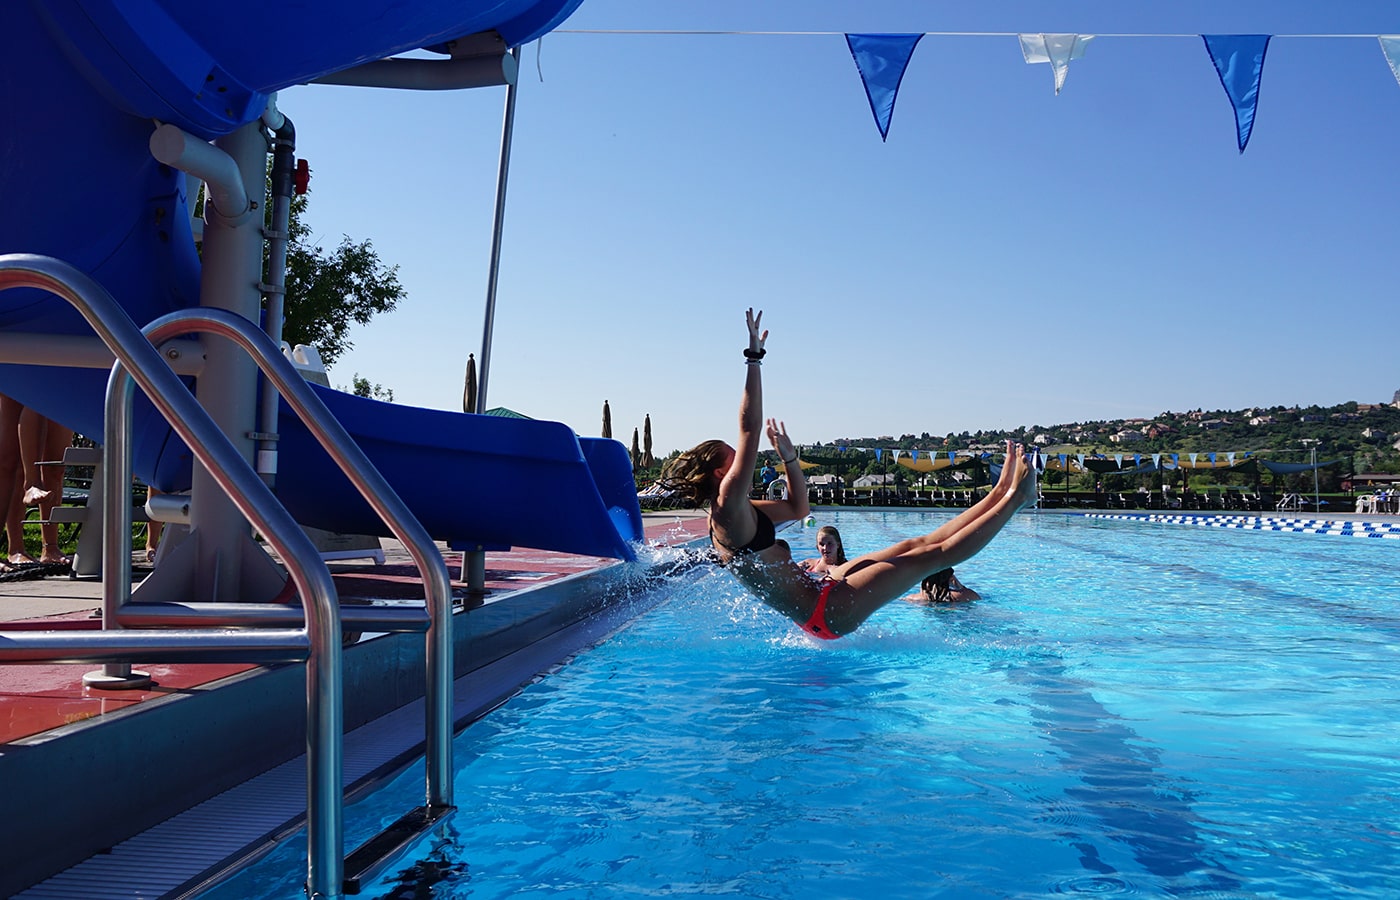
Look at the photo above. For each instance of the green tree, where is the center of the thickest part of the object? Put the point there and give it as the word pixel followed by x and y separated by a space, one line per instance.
pixel 328 290
pixel 361 387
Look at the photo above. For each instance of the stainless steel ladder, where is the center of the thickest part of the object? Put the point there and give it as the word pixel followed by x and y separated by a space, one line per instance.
pixel 222 632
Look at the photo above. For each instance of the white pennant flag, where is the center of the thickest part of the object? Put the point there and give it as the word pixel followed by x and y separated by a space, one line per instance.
pixel 1390 46
pixel 1231 457
pixel 1056 49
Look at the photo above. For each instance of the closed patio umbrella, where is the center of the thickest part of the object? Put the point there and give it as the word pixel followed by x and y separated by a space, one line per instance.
pixel 607 420
pixel 636 450
pixel 469 392
pixel 647 459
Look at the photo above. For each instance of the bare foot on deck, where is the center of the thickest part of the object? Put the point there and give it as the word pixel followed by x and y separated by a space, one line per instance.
pixel 55 558
pixel 35 495
pixel 22 559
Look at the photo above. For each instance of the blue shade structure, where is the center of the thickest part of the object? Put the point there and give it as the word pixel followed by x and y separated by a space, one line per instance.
pixel 881 60
pixel 1239 61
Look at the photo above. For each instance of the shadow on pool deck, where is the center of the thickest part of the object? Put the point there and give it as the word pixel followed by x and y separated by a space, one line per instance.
pixel 91 769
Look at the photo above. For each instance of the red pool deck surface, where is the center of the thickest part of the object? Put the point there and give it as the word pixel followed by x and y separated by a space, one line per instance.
pixel 37 698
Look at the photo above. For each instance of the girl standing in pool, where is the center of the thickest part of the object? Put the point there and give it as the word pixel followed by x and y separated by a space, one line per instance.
pixel 831 552
pixel 742 531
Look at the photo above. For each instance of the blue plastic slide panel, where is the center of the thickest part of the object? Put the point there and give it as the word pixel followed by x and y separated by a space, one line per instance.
pixel 468 479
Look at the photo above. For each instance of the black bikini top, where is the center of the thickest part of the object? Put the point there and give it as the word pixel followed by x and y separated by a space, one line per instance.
pixel 765 537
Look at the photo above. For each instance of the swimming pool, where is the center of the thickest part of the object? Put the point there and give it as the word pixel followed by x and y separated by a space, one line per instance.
pixel 1132 709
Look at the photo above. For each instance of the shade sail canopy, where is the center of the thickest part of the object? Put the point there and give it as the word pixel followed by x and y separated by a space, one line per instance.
pixel 940 462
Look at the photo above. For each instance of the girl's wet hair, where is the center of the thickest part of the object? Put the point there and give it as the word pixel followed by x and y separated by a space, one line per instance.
pixel 935 586
pixel 692 473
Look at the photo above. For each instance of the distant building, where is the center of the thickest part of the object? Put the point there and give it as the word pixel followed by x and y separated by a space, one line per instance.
pixel 1262 420
pixel 1375 435
pixel 1043 439
pixel 1310 418
pixel 1212 424
pixel 1127 437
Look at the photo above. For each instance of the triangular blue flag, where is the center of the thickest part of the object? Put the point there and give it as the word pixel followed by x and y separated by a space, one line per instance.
pixel 1239 61
pixel 879 453
pixel 881 60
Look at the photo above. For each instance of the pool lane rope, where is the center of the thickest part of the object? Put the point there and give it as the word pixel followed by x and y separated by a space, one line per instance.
pixel 1389 530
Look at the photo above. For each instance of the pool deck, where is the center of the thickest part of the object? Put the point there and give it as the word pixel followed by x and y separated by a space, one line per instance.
pixel 36 698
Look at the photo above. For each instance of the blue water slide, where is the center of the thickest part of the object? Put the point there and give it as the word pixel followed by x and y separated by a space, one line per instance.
pixel 82 82
pixel 470 479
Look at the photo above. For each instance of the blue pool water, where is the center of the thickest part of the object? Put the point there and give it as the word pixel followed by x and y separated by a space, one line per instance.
pixel 1132 709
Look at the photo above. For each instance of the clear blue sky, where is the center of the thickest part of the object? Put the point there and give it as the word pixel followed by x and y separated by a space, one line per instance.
pixel 1008 257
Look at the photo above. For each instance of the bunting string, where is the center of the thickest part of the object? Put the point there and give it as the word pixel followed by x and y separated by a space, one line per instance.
pixel 882 58
pixel 704 33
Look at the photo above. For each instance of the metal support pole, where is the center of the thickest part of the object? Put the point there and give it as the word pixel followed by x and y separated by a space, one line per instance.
pixel 1312 457
pixel 116 529
pixel 474 561
pixel 497 229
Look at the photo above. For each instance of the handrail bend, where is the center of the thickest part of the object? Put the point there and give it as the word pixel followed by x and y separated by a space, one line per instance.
pixel 252 498
pixel 372 485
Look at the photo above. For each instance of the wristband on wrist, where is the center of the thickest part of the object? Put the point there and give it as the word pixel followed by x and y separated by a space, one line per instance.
pixel 753 362
pixel 788 462
pixel 754 354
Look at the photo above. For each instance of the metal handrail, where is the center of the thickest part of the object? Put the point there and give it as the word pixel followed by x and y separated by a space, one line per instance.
pixel 252 498
pixel 372 485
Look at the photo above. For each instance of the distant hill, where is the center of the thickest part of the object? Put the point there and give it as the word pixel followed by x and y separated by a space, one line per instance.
pixel 1365 434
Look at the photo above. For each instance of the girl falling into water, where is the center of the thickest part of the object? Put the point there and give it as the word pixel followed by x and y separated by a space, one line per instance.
pixel 742 531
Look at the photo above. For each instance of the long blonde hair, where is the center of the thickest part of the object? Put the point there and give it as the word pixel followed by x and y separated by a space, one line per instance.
pixel 692 473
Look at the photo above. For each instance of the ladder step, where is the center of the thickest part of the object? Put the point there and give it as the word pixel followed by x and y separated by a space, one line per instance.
pixel 375 854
